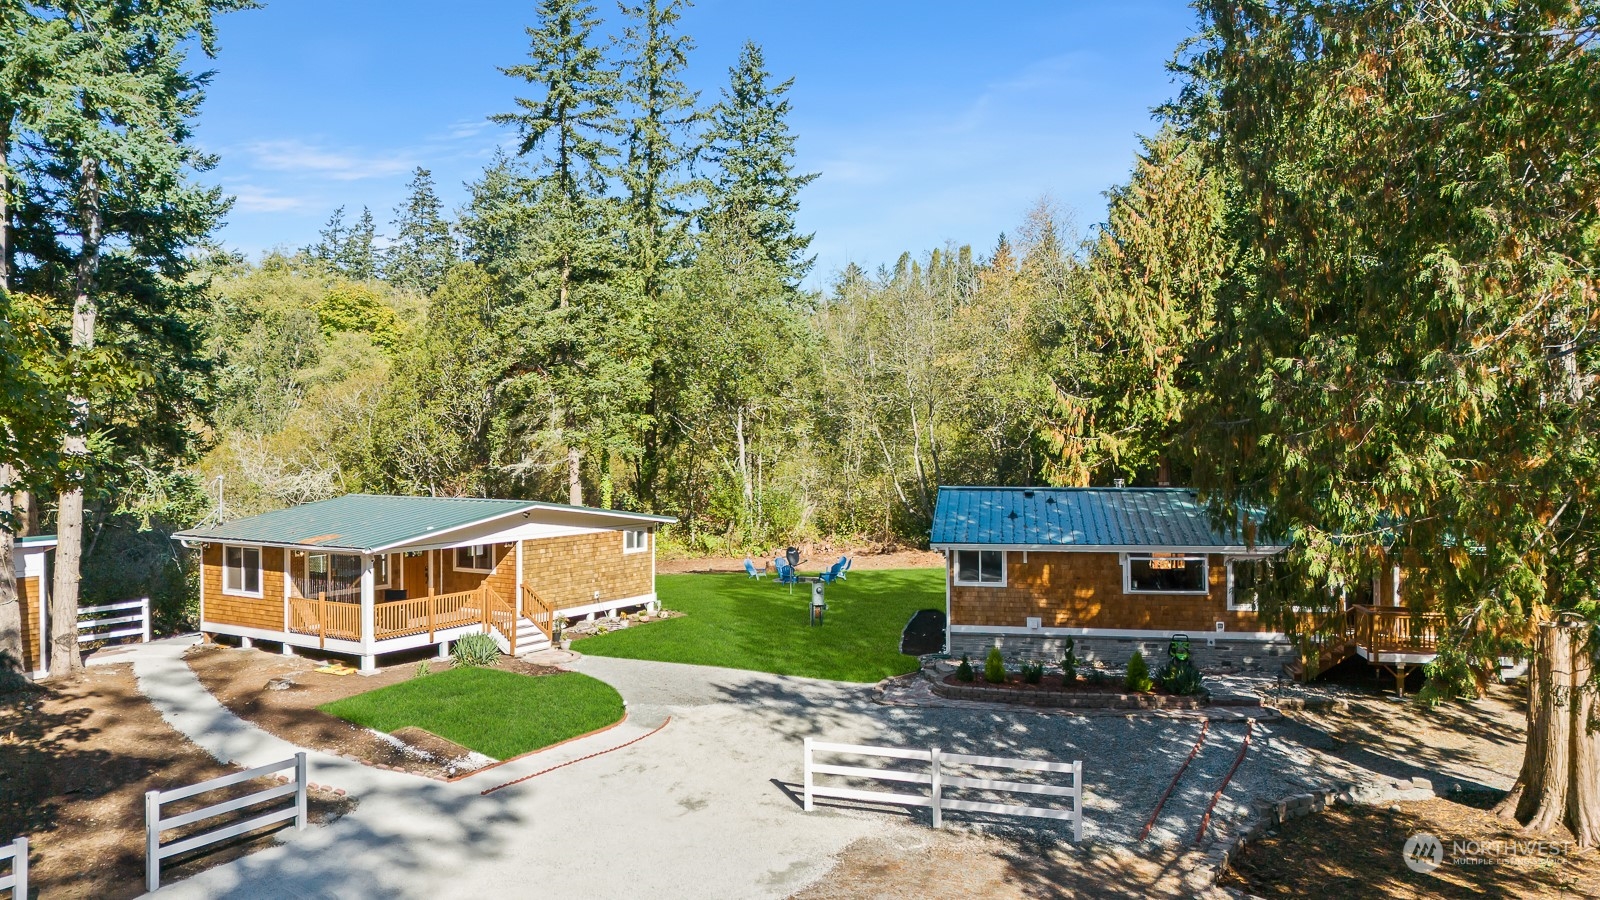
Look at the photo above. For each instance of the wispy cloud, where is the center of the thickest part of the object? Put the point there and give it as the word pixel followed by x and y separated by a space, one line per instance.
pixel 254 199
pixel 309 159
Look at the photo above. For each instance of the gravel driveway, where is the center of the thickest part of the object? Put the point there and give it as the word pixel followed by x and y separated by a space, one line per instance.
pixel 706 808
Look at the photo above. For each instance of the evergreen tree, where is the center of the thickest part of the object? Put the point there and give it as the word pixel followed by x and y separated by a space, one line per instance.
pixel 659 150
pixel 98 183
pixel 423 248
pixel 331 239
pixel 358 257
pixel 752 149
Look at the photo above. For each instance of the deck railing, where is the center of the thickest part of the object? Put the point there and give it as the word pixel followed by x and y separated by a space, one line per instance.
pixel 429 615
pixel 1395 629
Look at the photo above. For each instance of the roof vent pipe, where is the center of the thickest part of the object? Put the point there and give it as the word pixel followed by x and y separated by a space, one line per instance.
pixel 1118 482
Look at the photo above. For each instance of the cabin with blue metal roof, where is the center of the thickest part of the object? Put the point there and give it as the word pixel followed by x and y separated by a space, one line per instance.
pixel 367 574
pixel 1118 569
pixel 1115 569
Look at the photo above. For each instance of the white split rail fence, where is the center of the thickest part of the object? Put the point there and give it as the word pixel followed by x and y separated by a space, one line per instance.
pixel 155 851
pixel 938 781
pixel 94 625
pixel 17 881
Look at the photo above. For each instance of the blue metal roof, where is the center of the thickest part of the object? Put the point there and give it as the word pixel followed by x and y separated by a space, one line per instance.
pixel 1076 517
pixel 367 522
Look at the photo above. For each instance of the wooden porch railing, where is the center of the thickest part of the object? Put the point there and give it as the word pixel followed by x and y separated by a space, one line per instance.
pixel 325 618
pixel 422 615
pixel 500 615
pixel 1395 629
pixel 541 613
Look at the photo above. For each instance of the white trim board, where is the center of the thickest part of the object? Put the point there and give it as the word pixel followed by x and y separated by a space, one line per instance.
pixel 1230 550
pixel 604 605
pixel 340 645
pixel 1162 634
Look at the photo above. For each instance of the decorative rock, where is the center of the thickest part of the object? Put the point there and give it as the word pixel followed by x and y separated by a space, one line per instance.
pixel 279 684
pixel 1421 784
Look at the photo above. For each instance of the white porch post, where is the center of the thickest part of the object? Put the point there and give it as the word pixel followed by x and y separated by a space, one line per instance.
pixel 369 660
pixel 517 601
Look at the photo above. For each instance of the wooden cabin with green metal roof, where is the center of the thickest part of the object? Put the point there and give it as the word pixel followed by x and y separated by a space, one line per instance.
pixel 369 574
pixel 1120 569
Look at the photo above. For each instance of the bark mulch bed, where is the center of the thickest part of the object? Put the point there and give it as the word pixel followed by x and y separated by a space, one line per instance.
pixel 1349 851
pixel 76 757
pixel 238 678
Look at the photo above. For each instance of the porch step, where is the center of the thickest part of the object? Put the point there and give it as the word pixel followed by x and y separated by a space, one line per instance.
pixel 530 639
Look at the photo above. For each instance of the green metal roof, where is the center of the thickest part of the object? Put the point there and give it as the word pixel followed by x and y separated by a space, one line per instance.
pixel 37 540
pixel 366 522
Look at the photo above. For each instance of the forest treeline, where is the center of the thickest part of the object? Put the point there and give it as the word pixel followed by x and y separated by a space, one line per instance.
pixel 1347 290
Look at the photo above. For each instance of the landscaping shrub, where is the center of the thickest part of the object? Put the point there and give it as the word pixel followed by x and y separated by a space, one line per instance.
pixel 475 650
pixel 964 671
pixel 1138 677
pixel 1180 677
pixel 1032 672
pixel 1069 662
pixel 994 668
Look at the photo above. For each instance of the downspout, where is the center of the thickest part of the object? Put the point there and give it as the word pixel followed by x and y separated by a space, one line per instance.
pixel 947 622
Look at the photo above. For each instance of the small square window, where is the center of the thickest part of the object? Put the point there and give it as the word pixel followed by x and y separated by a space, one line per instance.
pixel 380 570
pixel 241 571
pixel 635 540
pixel 981 567
pixel 476 558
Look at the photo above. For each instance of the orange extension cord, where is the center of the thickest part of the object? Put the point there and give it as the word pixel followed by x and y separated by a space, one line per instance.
pixel 488 791
pixel 1244 748
pixel 1205 725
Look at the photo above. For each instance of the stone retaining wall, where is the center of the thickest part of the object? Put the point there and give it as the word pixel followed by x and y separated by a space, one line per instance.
pixel 1065 699
pixel 1229 652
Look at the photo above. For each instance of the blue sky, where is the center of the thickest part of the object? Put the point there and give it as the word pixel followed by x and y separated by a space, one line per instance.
pixel 929 121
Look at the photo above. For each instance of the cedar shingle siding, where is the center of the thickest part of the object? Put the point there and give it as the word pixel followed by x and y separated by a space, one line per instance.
pixel 567 571
pixel 30 593
pixel 265 612
pixel 1084 590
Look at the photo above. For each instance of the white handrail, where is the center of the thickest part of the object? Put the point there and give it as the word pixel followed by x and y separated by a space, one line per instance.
pixel 155 851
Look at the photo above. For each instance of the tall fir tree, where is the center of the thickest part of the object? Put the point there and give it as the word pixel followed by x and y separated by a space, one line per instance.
pixel 423 249
pixel 752 151
pixel 358 258
pixel 100 185
pixel 660 148
pixel 574 124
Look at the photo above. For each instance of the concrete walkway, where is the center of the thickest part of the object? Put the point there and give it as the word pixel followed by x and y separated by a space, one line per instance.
pixel 692 811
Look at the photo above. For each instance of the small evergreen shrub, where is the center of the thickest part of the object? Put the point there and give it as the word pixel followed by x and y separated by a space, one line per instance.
pixel 994 667
pixel 475 650
pixel 1069 662
pixel 964 671
pixel 422 668
pixel 1138 677
pixel 1180 677
pixel 1032 672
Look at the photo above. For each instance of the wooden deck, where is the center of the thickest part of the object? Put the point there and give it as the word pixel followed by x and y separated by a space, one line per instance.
pixel 325 618
pixel 1390 637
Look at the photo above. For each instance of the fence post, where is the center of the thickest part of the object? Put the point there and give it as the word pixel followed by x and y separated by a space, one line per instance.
pixel 19 868
pixel 144 610
pixel 807 804
pixel 300 776
pixel 937 795
pixel 152 840
pixel 1077 801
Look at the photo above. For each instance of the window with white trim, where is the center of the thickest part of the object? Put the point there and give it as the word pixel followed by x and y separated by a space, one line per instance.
pixel 476 558
pixel 1165 573
pixel 983 568
pixel 380 570
pixel 1249 579
pixel 635 539
pixel 241 571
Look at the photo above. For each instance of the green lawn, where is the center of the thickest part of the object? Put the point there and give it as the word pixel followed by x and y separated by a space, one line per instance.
pixel 734 622
pixel 499 714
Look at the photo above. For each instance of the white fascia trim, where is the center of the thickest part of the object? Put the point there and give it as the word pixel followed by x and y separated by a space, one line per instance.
pixel 605 605
pixel 431 539
pixel 1384 657
pixel 1238 550
pixel 1118 632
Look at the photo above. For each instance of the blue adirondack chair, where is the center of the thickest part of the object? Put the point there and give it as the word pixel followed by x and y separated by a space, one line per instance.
pixel 787 575
pixel 751 570
pixel 844 565
pixel 834 573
